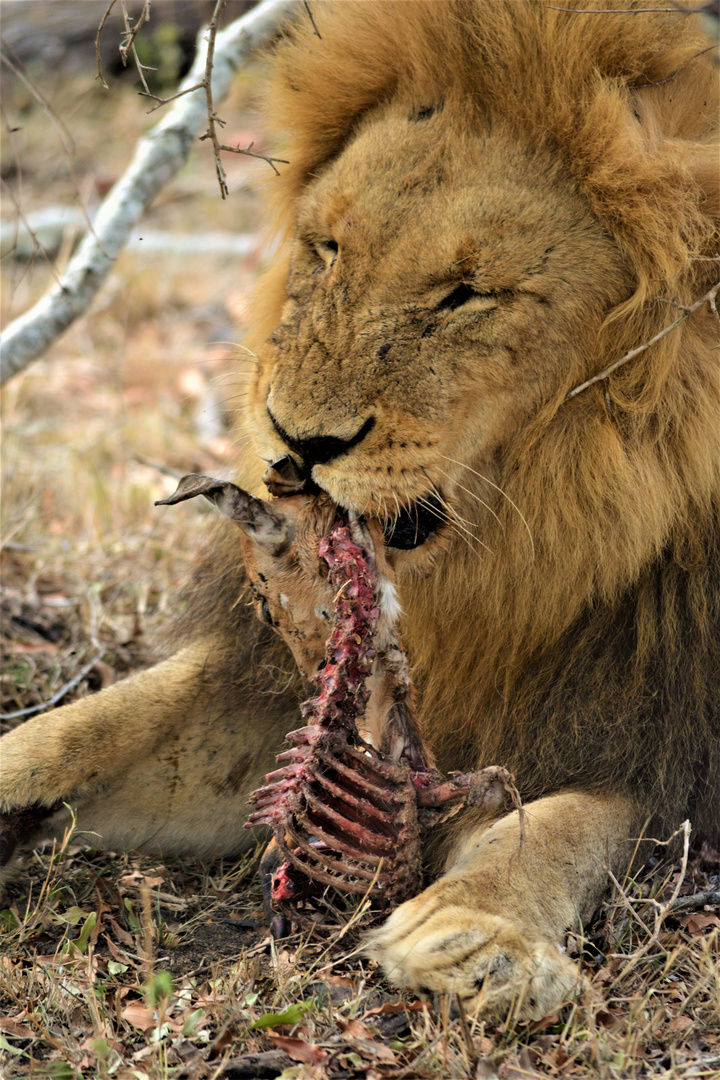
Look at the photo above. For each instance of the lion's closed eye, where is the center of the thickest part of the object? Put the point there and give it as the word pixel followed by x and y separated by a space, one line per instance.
pixel 466 297
pixel 327 250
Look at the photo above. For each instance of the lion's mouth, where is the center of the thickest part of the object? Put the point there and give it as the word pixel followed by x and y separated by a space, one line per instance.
pixel 415 524
pixel 410 529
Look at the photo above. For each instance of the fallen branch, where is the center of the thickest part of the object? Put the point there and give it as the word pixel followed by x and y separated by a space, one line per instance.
pixel 708 298
pixel 698 900
pixel 158 156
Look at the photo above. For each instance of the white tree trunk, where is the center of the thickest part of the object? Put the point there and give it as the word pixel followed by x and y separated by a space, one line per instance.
pixel 157 158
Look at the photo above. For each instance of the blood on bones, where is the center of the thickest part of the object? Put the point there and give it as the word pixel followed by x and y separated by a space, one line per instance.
pixel 353 794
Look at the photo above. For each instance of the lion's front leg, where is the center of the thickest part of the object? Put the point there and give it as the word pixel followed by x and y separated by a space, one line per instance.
pixel 491 930
pixel 162 761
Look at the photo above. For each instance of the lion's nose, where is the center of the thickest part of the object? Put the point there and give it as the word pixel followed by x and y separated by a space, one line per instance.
pixel 321 449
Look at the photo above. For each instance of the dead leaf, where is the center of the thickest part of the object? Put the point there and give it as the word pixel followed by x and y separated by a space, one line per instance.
pixel 101 910
pixel 139 1015
pixel 120 934
pixel 543 1024
pixel 372 1048
pixel 605 1018
pixel 118 956
pixel 606 973
pixel 399 1006
pixel 355 1029
pixel 17 1030
pixel 298 1049
pixel 680 1023
pixel 699 922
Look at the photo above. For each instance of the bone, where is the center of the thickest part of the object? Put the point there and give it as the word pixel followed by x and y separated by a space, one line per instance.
pixel 357 788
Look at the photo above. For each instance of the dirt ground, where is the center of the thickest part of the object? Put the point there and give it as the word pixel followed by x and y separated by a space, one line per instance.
pixel 118 965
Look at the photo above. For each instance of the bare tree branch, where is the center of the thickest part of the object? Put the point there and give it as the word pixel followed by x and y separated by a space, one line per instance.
pixel 65 689
pixel 157 158
pixel 708 298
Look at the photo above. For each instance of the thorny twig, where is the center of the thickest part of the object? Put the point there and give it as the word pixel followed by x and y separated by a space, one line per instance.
pixel 207 84
pixel 13 62
pixel 157 157
pixel 128 44
pixel 131 32
pixel 214 119
pixel 708 298
pixel 166 100
pixel 38 245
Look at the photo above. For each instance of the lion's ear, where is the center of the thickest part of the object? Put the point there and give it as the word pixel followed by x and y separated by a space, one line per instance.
pixel 254 516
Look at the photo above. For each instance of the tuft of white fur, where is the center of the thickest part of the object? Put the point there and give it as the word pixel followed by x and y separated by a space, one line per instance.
pixel 390 610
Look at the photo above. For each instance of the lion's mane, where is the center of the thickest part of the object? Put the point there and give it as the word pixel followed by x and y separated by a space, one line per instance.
pixel 587 651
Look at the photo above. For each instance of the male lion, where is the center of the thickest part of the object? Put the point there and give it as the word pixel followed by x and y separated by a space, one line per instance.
pixel 487 203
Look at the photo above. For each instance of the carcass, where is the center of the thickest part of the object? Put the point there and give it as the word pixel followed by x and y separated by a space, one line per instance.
pixel 352 796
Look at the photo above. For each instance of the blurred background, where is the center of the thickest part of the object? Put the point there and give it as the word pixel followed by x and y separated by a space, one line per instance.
pixel 140 390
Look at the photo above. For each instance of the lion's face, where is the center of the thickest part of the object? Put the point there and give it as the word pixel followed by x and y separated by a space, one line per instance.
pixel 444 284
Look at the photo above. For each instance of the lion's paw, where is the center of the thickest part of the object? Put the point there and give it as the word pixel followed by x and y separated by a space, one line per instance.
pixel 486 960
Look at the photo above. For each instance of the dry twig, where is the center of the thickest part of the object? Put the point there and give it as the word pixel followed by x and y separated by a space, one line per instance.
pixel 709 897
pixel 663 910
pixel 131 32
pixel 214 119
pixel 621 11
pixel 100 29
pixel 708 298
pixel 312 20
pixel 671 76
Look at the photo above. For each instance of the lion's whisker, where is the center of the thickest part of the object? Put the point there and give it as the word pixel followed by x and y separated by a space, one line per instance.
pixel 504 494
pixel 475 496
pixel 462 533
pixel 449 509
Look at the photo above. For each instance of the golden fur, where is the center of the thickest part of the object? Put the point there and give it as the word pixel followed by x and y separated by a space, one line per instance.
pixel 590 593
pixel 556 174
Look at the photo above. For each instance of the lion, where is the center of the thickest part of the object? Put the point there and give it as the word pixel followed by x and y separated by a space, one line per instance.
pixel 488 203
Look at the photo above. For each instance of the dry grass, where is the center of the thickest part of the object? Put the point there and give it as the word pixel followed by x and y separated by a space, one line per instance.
pixel 121 966
pixel 118 965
